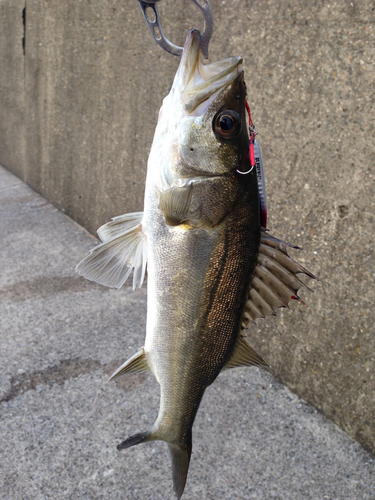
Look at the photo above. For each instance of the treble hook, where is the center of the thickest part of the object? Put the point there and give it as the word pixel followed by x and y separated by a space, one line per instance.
pixel 162 40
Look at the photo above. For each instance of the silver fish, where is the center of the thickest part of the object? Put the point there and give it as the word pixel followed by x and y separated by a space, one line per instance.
pixel 212 268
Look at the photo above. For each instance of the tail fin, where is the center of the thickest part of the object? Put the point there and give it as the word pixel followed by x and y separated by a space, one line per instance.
pixel 142 437
pixel 180 456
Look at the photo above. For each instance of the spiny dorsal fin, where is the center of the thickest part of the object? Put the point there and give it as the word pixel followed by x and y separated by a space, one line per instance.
pixel 136 364
pixel 124 248
pixel 244 355
pixel 274 281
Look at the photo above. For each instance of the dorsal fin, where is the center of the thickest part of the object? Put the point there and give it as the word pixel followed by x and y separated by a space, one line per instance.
pixel 274 281
pixel 244 355
pixel 124 248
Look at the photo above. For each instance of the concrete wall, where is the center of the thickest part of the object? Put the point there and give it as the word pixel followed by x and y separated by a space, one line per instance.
pixel 77 115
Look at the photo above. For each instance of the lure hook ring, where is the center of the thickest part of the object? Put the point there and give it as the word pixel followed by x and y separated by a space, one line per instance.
pixel 245 173
pixel 162 40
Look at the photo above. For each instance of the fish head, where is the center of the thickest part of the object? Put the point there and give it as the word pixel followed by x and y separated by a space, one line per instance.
pixel 202 129
pixel 201 143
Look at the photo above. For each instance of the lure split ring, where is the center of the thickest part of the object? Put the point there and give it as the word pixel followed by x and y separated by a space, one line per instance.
pixel 245 173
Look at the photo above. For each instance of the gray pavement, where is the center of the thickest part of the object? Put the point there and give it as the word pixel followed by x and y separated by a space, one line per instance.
pixel 60 421
pixel 78 108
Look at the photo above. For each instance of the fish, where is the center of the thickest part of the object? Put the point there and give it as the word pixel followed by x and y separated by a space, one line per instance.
pixel 212 267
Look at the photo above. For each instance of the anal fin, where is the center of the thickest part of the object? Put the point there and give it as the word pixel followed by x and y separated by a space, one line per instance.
pixel 136 364
pixel 244 355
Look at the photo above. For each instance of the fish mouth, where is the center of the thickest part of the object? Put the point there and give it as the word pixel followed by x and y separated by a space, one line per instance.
pixel 199 83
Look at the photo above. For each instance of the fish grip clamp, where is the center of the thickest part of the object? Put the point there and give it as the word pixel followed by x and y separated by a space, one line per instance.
pixel 156 31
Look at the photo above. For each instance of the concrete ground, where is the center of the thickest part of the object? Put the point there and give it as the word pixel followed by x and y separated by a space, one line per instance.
pixel 61 337
pixel 81 84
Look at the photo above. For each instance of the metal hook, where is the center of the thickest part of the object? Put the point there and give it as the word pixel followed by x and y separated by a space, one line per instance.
pixel 161 39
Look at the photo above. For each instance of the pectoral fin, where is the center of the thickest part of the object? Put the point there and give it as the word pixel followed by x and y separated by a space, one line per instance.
pixel 175 203
pixel 244 355
pixel 136 364
pixel 124 248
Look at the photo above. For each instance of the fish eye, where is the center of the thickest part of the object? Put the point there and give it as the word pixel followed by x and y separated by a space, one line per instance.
pixel 226 124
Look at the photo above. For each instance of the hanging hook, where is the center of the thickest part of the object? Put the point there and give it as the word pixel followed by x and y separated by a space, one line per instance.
pixel 156 31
